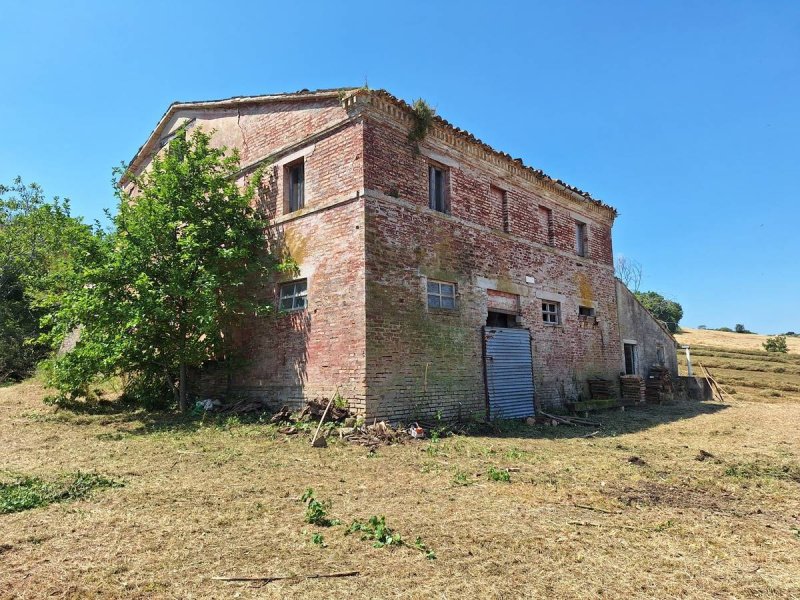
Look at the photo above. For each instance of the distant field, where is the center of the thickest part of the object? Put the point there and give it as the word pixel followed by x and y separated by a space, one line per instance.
pixel 742 367
pixel 734 341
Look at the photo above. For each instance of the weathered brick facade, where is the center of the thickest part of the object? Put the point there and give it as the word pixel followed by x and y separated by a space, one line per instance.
pixel 367 243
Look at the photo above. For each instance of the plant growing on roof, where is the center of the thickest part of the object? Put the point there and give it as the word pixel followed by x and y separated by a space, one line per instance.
pixel 157 301
pixel 423 118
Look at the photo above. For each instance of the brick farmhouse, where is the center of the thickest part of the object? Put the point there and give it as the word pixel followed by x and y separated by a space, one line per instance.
pixel 432 276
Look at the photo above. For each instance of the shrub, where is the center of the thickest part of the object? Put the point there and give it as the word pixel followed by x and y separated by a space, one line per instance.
pixel 776 344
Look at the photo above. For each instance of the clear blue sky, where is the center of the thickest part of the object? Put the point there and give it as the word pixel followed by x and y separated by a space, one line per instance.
pixel 685 116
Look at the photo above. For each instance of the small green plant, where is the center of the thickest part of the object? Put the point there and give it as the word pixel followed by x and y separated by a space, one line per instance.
pixel 375 529
pixel 433 448
pixel 665 525
pixel 423 118
pixel 316 511
pixel 318 540
pixel 461 478
pixel 428 552
pixel 339 401
pixel 514 454
pixel 776 344
pixel 499 475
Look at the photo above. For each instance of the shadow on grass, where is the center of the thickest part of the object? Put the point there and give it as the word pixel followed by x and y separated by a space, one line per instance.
pixel 612 423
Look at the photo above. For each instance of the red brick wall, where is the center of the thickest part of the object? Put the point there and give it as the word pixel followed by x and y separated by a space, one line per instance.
pixel 368 331
pixel 286 358
pixel 419 359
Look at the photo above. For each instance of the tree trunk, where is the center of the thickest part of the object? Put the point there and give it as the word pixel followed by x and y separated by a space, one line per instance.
pixel 171 385
pixel 183 401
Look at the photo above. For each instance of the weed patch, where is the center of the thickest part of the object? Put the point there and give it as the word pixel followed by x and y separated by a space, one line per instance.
pixel 25 493
pixel 495 474
pixel 755 470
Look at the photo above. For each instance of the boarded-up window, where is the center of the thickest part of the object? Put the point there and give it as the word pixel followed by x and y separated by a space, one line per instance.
pixel 546 224
pixel 296 180
pixel 581 239
pixel 499 206
pixel 437 189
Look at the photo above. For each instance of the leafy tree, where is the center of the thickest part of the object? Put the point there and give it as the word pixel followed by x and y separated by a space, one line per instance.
pixel 663 309
pixel 776 344
pixel 169 280
pixel 39 242
pixel 739 328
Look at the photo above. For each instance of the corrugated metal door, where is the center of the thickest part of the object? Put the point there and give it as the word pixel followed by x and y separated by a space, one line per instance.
pixel 509 372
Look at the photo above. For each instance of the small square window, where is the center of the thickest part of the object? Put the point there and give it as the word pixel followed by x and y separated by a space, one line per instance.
pixel 441 294
pixel 437 189
pixel 294 295
pixel 551 313
pixel 585 311
pixel 295 185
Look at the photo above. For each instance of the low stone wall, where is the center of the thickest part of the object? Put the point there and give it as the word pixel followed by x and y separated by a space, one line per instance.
pixel 693 388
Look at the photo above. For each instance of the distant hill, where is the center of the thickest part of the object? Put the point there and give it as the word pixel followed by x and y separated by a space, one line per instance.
pixel 741 366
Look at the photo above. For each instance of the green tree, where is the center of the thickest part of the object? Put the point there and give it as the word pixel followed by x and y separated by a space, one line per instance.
pixel 663 309
pixel 776 344
pixel 39 242
pixel 170 280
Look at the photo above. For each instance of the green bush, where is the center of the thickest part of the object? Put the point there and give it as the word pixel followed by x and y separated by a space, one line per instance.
pixel 776 344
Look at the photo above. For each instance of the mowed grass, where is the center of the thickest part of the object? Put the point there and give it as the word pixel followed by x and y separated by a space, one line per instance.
pixel 742 367
pixel 639 511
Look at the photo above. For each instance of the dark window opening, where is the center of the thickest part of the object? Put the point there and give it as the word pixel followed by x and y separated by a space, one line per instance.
pixel 630 359
pixel 296 175
pixel 585 311
pixel 437 192
pixel 498 319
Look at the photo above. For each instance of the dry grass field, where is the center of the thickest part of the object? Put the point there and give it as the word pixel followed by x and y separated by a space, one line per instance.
pixel 742 367
pixel 639 511
pixel 731 341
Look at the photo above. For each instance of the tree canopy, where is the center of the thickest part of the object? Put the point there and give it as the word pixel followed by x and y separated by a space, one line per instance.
pixel 168 280
pixel 39 243
pixel 663 309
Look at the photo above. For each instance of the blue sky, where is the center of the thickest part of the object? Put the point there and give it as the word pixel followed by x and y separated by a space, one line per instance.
pixel 685 116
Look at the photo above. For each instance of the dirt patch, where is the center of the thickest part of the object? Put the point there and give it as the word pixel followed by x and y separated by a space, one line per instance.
pixel 652 493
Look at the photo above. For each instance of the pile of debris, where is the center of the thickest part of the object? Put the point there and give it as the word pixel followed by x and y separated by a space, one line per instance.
pixel 380 434
pixel 314 410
